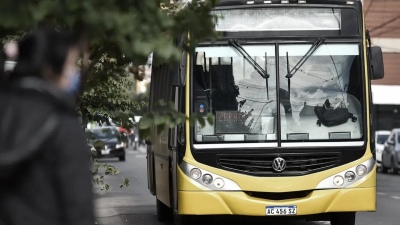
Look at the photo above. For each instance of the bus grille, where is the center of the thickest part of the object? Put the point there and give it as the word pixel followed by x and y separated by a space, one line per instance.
pixel 296 164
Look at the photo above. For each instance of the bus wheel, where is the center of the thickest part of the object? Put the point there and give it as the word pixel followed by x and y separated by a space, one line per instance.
pixel 179 219
pixel 163 211
pixel 347 218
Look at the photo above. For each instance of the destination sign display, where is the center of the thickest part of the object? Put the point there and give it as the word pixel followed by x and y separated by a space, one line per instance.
pixel 230 122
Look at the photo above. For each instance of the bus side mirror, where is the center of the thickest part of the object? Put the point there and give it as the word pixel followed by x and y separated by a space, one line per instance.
pixel 179 76
pixel 376 63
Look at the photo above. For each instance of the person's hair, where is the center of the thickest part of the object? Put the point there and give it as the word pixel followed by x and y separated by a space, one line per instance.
pixel 41 49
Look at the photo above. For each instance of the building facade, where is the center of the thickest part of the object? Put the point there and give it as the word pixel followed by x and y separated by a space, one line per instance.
pixel 382 19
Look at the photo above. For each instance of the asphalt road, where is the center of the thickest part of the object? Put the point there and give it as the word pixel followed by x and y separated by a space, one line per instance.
pixel 136 206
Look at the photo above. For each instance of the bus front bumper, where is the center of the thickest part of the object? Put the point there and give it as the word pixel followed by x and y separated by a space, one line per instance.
pixel 239 203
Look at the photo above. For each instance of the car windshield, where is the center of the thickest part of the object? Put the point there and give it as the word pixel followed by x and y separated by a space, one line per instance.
pixel 105 133
pixel 244 104
pixel 381 139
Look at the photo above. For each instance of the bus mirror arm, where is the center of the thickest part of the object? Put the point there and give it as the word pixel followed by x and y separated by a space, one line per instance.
pixel 172 139
pixel 181 134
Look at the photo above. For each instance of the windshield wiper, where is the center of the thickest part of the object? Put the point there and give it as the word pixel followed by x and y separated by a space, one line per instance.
pixel 300 63
pixel 256 66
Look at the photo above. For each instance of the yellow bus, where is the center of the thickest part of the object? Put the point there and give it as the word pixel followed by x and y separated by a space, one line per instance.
pixel 288 87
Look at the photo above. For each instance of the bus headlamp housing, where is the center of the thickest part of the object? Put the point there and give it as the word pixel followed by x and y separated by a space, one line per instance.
pixel 207 179
pixel 361 170
pixel 195 173
pixel 348 177
pixel 338 180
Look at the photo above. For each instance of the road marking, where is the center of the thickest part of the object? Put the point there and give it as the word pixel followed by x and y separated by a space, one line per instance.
pixel 380 193
pixel 395 197
pixel 140 156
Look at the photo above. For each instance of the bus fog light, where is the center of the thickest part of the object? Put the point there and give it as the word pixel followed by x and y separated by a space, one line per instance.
pixel 195 173
pixel 219 183
pixel 350 176
pixel 338 180
pixel 207 179
pixel 361 170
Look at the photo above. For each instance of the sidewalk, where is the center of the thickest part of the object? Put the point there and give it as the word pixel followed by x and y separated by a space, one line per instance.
pixel 126 205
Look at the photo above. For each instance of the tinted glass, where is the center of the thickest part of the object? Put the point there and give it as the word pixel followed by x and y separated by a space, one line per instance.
pixel 381 139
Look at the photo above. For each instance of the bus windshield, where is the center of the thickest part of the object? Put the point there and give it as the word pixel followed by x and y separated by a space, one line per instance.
pixel 245 105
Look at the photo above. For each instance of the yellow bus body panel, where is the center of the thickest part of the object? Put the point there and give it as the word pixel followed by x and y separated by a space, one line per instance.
pixel 238 203
pixel 194 199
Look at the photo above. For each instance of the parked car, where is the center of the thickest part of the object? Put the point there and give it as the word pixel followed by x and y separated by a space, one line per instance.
pixel 391 153
pixel 108 142
pixel 380 138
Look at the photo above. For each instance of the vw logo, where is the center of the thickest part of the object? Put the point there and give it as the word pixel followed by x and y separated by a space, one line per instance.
pixel 279 164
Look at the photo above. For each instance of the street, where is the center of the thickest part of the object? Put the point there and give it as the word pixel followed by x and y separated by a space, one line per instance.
pixel 136 206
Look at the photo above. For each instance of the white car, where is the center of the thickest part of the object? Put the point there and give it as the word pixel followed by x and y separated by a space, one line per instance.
pixel 380 138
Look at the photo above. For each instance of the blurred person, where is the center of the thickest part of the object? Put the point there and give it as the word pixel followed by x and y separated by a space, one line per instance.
pixel 124 135
pixel 44 162
pixel 132 138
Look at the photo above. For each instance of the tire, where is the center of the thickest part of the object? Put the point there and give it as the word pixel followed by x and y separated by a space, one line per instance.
pixel 392 166
pixel 180 220
pixel 163 211
pixel 122 158
pixel 384 169
pixel 347 218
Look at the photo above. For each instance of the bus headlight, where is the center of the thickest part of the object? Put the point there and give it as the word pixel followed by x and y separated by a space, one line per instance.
pixel 219 183
pixel 349 176
pixel 195 173
pixel 361 170
pixel 207 179
pixel 338 180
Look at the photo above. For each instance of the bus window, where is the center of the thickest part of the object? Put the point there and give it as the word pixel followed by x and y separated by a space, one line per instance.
pixel 229 87
pixel 328 75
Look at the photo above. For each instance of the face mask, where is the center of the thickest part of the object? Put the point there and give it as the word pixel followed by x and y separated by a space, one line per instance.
pixel 75 82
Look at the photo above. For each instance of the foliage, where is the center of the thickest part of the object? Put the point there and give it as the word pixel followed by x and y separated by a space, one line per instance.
pixel 140 104
pixel 109 170
pixel 168 117
pixel 107 90
pixel 117 36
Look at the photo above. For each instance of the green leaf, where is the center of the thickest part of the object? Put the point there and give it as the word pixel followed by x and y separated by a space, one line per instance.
pixel 160 128
pixel 210 119
pixel 160 119
pixel 126 182
pixel 201 121
pixel 145 123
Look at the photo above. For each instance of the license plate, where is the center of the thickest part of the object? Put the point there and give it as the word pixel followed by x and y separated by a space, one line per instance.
pixel 281 210
pixel 105 152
